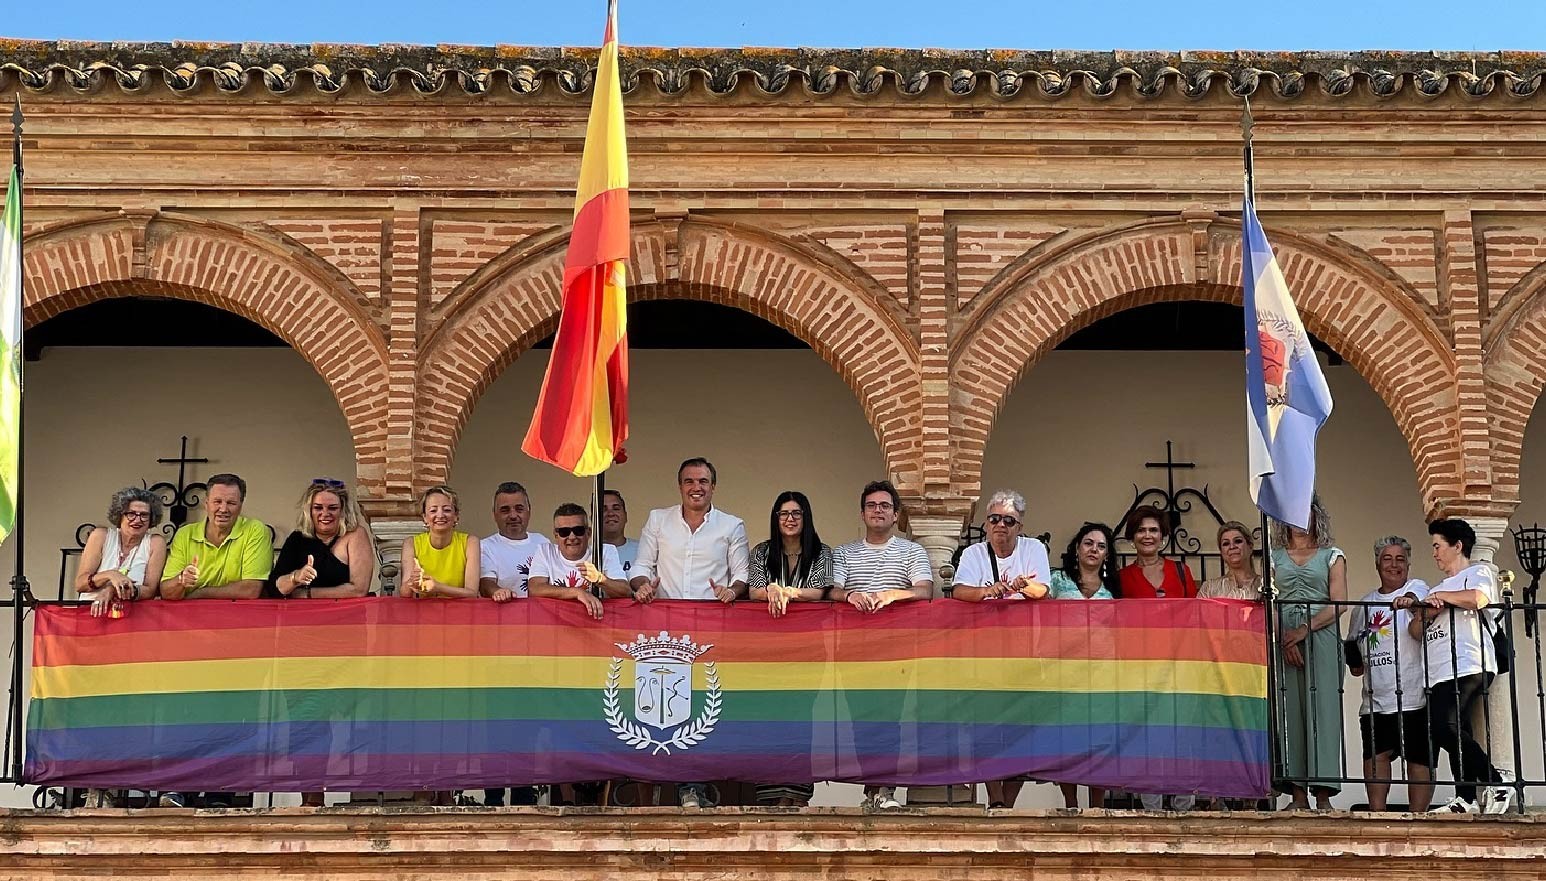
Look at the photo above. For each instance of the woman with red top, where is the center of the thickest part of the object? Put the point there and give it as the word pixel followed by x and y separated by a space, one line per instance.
pixel 1151 575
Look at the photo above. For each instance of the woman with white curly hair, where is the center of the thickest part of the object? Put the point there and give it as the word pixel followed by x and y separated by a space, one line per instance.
pixel 122 561
pixel 1310 577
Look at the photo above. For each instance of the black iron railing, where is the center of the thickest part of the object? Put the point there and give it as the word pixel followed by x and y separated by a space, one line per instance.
pixel 1435 714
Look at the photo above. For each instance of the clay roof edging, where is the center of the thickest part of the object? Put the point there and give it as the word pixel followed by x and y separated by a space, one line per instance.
pixel 286 69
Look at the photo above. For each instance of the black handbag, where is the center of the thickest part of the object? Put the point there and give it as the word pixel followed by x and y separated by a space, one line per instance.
pixel 1502 649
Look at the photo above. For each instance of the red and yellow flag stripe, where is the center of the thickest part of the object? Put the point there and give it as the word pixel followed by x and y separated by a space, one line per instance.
pixel 582 413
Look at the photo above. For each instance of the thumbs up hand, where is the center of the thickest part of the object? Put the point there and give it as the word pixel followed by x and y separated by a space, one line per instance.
pixel 590 573
pixel 305 575
pixel 190 574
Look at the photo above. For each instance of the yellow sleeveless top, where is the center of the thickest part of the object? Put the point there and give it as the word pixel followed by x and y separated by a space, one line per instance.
pixel 448 565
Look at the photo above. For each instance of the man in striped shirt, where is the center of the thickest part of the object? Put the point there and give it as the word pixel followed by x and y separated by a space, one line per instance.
pixel 878 571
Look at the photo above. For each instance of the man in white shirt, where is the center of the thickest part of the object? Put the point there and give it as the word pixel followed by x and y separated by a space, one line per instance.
pixel 878 571
pixel 506 555
pixel 1007 565
pixel 1393 715
pixel 563 569
pixel 692 551
pixel 614 524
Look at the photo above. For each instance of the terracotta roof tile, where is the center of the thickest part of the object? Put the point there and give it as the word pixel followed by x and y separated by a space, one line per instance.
pixel 290 69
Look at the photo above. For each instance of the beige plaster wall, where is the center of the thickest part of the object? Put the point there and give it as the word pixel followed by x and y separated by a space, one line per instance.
pixel 769 420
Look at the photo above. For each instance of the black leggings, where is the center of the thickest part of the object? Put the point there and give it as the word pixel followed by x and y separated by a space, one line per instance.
pixel 1449 718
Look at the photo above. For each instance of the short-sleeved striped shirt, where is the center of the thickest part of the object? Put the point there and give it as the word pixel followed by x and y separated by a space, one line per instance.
pixel 898 564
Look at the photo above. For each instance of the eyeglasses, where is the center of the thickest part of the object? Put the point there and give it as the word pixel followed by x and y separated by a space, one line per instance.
pixel 791 515
pixel 136 515
pixel 878 506
pixel 566 531
pixel 329 482
pixel 1005 519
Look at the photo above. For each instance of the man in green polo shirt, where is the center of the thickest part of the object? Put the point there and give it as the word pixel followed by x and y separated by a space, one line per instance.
pixel 224 558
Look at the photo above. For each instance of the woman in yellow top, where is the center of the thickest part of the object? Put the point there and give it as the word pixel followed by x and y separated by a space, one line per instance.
pixel 441 562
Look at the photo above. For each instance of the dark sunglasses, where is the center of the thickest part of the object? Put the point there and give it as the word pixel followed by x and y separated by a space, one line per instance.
pixel 1005 519
pixel 566 531
pixel 328 482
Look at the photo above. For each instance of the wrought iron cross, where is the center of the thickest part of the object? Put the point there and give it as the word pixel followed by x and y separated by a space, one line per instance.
pixel 183 496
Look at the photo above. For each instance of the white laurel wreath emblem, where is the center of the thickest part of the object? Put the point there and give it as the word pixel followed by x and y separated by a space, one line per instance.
pixel 684 736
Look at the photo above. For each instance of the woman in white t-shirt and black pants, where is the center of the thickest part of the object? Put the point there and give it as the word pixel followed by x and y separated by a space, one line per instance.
pixel 1461 663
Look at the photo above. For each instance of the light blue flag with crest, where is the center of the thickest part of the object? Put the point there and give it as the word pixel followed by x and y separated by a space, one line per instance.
pixel 1286 396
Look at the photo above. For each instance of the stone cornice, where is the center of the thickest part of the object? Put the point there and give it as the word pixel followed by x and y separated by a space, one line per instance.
pixel 187 68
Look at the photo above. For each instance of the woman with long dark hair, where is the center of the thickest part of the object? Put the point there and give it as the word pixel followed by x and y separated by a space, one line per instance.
pixel 1089 570
pixel 791 566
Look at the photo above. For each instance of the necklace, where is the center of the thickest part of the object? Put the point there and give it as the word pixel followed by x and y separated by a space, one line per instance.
pixel 791 573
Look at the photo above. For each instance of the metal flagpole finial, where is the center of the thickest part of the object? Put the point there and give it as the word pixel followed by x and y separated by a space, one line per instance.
pixel 16 121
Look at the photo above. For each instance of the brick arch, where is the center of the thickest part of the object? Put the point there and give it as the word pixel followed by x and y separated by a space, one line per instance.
pixel 1379 330
pixel 284 288
pixel 772 278
pixel 1514 368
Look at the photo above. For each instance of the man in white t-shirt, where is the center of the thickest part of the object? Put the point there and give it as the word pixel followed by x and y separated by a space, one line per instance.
pixel 1006 566
pixel 1393 716
pixel 506 555
pixel 614 525
pixel 563 569
pixel 878 571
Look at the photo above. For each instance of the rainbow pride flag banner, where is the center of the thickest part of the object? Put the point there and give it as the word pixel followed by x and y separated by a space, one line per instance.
pixel 401 694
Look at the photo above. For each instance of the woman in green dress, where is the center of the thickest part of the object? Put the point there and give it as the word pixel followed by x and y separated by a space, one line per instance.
pixel 1309 577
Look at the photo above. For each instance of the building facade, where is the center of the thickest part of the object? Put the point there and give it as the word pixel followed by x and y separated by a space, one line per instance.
pixel 931 224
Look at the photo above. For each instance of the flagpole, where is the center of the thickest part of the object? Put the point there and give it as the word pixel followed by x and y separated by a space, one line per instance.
pixel 19 589
pixel 1269 591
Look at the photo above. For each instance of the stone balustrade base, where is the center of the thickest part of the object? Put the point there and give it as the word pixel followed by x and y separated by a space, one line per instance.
pixel 471 844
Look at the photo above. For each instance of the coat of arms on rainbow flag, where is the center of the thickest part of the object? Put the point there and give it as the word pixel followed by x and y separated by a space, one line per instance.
pixel 391 694
pixel 663 694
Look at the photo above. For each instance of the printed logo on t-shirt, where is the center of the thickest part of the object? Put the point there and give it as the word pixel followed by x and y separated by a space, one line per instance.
pixel 524 571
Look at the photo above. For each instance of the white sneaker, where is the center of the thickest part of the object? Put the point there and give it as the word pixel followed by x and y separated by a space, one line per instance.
pixel 690 800
pixel 1497 799
pixel 1457 805
pixel 885 799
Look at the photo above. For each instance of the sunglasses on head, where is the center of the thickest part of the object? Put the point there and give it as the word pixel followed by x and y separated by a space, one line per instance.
pixel 328 482
pixel 1005 519
pixel 566 531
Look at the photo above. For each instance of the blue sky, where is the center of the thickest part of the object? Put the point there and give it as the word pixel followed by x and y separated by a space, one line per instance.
pixel 1026 24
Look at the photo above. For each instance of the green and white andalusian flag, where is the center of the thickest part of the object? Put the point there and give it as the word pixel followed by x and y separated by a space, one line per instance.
pixel 10 352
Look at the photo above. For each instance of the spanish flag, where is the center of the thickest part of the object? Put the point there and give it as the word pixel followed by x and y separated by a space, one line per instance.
pixel 582 413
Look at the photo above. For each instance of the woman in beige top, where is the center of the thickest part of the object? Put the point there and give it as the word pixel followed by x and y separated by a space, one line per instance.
pixel 1240 580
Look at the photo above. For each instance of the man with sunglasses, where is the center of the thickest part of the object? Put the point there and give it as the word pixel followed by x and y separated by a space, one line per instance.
pixel 1008 565
pixel 562 570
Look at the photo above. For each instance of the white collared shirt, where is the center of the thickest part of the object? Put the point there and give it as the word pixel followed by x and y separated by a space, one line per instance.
pixel 686 561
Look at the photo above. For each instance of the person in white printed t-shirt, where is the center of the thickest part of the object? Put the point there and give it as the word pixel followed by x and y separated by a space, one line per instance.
pixel 692 551
pixel 563 569
pixel 1007 565
pixel 1393 716
pixel 880 570
pixel 1460 663
pixel 505 561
